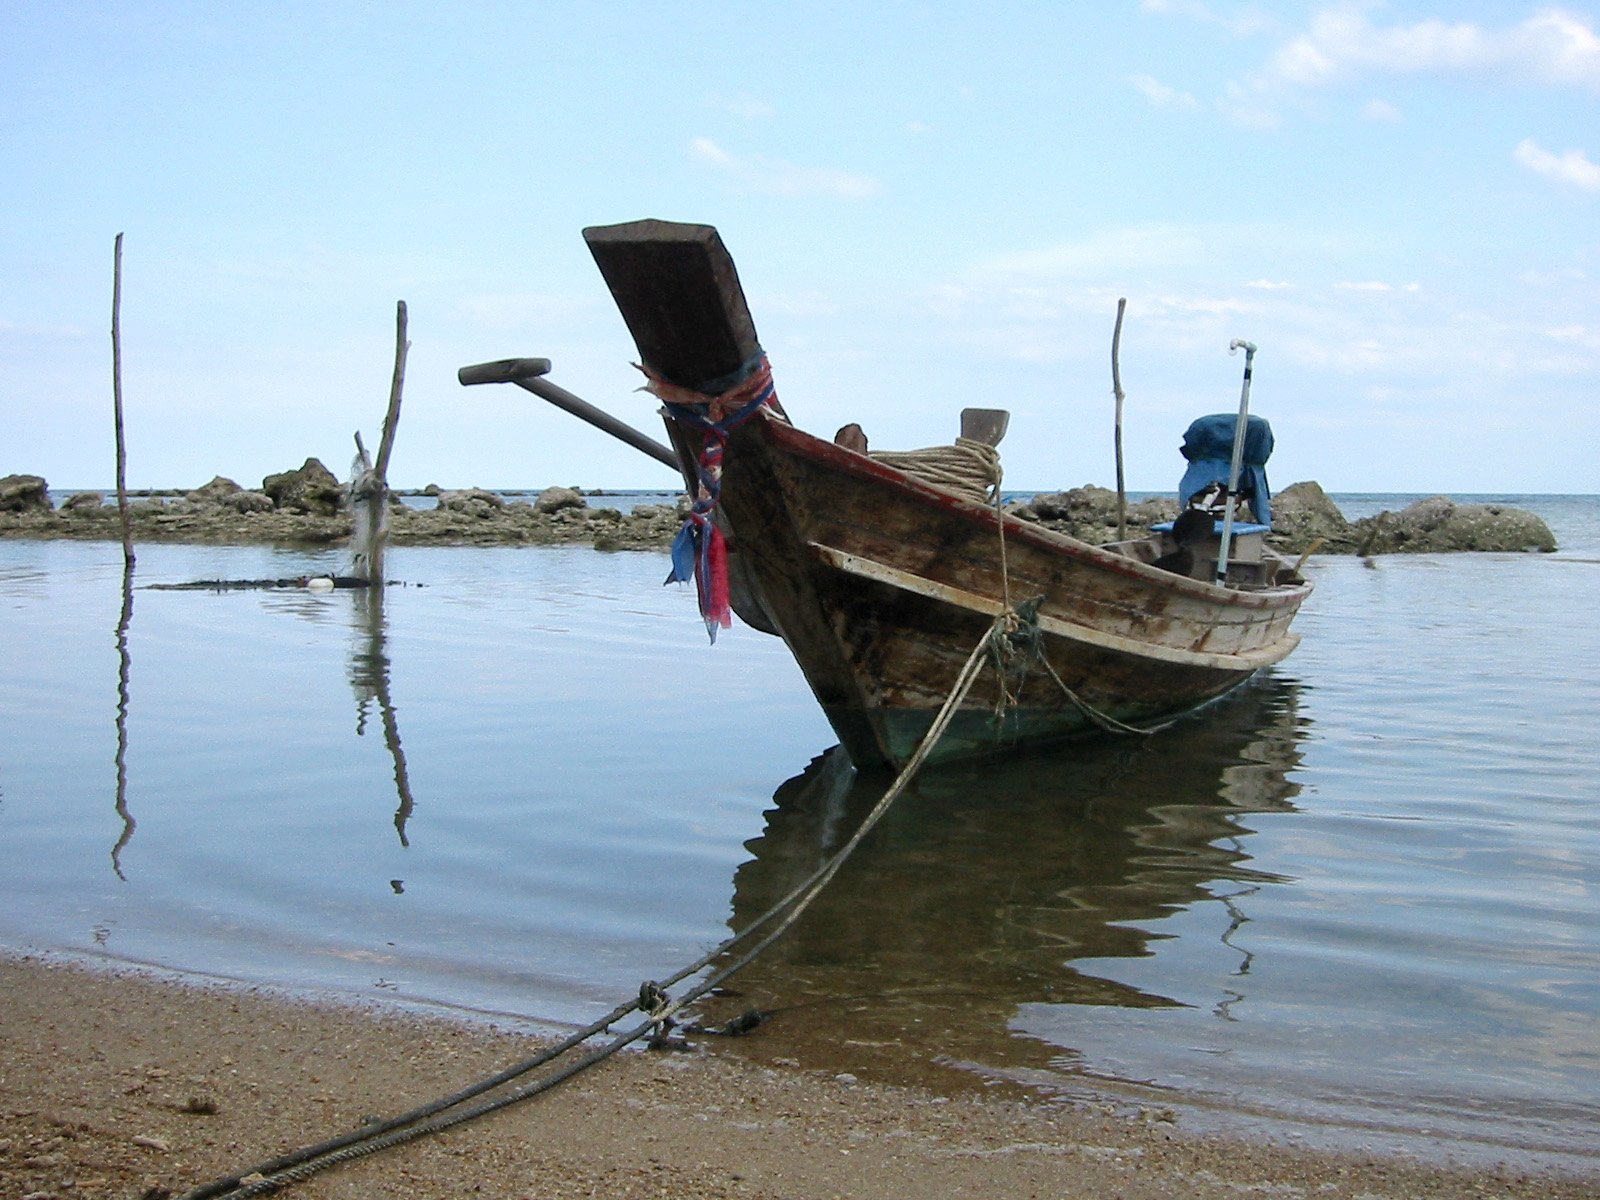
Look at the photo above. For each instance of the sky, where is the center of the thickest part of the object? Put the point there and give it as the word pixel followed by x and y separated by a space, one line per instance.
pixel 931 205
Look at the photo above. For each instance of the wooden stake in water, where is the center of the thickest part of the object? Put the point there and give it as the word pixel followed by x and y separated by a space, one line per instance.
pixel 116 404
pixel 1116 387
pixel 370 487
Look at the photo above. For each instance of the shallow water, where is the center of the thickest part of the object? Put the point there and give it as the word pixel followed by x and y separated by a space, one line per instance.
pixel 1362 892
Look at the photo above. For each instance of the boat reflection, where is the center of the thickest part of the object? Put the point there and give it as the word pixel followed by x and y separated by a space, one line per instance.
pixel 369 677
pixel 985 887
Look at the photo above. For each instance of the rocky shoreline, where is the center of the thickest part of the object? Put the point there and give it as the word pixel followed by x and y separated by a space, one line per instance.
pixel 308 506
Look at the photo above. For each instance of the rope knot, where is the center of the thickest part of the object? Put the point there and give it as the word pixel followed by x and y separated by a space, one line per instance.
pixel 652 998
pixel 654 1003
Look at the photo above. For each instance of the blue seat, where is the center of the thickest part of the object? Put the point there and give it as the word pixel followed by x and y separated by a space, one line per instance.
pixel 1238 527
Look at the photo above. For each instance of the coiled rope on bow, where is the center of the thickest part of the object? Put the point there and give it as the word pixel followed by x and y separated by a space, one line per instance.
pixel 970 469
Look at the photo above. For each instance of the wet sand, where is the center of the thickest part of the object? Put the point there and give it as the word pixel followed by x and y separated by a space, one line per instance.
pixel 117 1083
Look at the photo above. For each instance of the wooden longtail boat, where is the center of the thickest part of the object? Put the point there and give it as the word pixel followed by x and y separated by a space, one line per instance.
pixel 882 584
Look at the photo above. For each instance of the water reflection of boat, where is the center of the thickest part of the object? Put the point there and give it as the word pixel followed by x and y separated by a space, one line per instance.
pixel 952 914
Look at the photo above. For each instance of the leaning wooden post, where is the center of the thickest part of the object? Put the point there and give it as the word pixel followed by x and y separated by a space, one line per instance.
pixel 1116 387
pixel 391 419
pixel 370 488
pixel 116 404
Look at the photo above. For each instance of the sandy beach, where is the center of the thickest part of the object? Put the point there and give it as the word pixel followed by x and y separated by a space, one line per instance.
pixel 128 1084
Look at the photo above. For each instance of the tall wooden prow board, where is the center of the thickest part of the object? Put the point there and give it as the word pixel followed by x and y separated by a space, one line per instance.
pixel 679 293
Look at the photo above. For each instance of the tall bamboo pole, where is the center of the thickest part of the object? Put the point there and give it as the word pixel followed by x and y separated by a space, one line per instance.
pixel 116 404
pixel 1116 387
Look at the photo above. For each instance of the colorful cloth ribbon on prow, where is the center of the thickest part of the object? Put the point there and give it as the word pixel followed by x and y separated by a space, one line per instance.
pixel 700 551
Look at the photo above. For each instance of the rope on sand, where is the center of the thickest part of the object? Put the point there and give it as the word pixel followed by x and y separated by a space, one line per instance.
pixel 653 1000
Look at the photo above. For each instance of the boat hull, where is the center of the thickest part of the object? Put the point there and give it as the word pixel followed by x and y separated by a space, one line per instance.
pixel 883 586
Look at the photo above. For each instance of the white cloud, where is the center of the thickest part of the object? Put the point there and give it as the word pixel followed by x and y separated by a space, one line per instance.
pixel 1249 107
pixel 1573 167
pixel 1112 251
pixel 743 106
pixel 1268 285
pixel 41 329
pixel 774 176
pixel 1560 276
pixel 1370 285
pixel 1552 47
pixel 522 310
pixel 1242 23
pixel 1380 110
pixel 1160 95
pixel 1578 335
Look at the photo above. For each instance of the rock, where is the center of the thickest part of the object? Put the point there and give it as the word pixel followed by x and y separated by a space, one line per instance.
pixel 249 502
pixel 1069 505
pixel 1439 524
pixel 82 500
pixel 554 499
pixel 24 493
pixel 1089 513
pixel 311 489
pixel 474 502
pixel 433 489
pixel 218 491
pixel 1302 513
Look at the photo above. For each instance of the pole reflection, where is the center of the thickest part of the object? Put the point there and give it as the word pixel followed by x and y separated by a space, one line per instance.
pixel 369 676
pixel 124 666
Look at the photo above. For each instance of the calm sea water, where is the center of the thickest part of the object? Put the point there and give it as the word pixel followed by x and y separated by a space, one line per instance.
pixel 1359 898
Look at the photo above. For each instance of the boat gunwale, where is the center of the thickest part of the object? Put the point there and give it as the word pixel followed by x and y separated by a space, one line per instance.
pixel 830 456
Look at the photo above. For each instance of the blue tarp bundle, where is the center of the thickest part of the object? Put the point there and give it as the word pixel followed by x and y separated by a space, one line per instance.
pixel 1208 445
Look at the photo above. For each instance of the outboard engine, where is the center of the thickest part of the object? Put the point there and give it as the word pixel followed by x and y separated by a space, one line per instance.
pixel 1208 445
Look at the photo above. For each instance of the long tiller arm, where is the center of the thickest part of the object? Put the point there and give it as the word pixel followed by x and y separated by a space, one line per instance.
pixel 528 374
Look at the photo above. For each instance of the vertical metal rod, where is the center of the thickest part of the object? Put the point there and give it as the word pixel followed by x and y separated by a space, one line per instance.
pixel 1238 459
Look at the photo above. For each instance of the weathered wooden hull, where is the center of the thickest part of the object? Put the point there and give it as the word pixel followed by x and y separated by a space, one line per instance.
pixel 881 586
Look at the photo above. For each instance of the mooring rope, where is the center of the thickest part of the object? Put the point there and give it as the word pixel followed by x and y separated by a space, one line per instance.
pixel 436 1116
pixel 1022 634
pixel 968 468
pixel 1105 720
